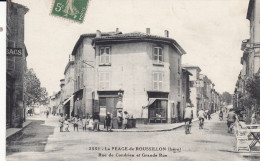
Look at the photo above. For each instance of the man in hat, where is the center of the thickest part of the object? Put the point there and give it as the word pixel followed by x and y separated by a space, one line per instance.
pixel 108 121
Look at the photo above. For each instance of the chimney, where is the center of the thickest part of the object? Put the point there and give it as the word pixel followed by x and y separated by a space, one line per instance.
pixel 166 33
pixel 117 30
pixel 148 31
pixel 98 34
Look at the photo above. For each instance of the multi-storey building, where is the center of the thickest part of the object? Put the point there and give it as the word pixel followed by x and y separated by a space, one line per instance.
pixel 84 74
pixel 251 55
pixel 142 72
pixel 195 87
pixel 16 65
pixel 68 89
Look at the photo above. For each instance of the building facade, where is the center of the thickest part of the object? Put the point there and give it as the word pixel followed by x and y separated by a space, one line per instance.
pixel 68 89
pixel 250 58
pixel 142 72
pixel 16 65
pixel 195 88
pixel 84 74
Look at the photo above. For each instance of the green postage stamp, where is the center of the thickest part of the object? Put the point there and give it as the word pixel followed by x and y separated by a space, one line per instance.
pixel 70 9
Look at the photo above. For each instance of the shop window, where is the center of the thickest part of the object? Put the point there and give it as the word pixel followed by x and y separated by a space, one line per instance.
pixel 157 55
pixel 104 80
pixel 105 56
pixel 158 109
pixel 157 80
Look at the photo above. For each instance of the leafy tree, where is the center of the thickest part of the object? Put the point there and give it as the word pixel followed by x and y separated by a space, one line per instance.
pixel 253 88
pixel 35 93
pixel 227 97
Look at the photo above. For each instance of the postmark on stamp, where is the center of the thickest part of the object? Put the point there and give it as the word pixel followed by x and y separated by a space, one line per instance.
pixel 74 10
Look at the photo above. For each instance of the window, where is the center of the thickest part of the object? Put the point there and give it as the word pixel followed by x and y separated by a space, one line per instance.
pixel 158 109
pixel 105 55
pixel 158 55
pixel 157 80
pixel 179 87
pixel 78 82
pixel 10 63
pixel 179 65
pixel 192 84
pixel 104 80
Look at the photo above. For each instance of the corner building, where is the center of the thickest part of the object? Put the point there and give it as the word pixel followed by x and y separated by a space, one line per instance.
pixel 140 73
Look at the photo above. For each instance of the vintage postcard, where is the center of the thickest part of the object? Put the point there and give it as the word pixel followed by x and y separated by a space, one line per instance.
pixel 118 80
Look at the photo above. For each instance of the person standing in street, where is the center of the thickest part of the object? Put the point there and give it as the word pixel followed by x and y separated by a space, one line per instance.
pixel 61 121
pixel 75 122
pixel 96 120
pixel 66 125
pixel 108 121
pixel 47 114
pixel 125 119
pixel 253 118
pixel 231 118
pixel 84 123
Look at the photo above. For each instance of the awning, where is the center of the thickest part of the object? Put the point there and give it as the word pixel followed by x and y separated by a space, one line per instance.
pixel 68 99
pixel 151 101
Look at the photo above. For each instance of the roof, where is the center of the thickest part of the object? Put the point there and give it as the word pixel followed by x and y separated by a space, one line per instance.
pixel 90 35
pixel 139 36
pixel 20 6
pixel 186 71
pixel 191 66
pixel 250 9
pixel 67 66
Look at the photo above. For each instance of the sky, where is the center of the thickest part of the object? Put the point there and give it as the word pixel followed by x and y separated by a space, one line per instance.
pixel 210 31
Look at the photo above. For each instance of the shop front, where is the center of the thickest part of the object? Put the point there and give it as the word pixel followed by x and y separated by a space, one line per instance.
pixel 108 101
pixel 157 107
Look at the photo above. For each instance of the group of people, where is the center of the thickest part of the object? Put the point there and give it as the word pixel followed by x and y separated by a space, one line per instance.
pixel 89 122
pixel 92 123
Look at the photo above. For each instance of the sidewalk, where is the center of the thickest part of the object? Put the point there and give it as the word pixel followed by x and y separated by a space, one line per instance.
pixel 152 127
pixel 14 131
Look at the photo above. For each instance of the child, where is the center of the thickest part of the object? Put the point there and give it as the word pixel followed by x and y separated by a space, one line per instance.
pixel 75 123
pixel 84 123
pixel 90 123
pixel 61 120
pixel 66 125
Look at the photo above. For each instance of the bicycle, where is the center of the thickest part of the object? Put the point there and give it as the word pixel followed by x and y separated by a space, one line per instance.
pixel 201 123
pixel 187 128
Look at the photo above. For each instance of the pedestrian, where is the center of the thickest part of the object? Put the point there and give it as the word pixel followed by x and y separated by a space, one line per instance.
pixel 66 125
pixel 120 119
pixel 108 121
pixel 75 122
pixel 125 119
pixel 84 123
pixel 231 118
pixel 61 121
pixel 220 115
pixel 96 120
pixel 209 115
pixel 201 116
pixel 90 123
pixel 253 118
pixel 47 113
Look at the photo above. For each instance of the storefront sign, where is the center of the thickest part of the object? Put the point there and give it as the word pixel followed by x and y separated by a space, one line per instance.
pixel 14 51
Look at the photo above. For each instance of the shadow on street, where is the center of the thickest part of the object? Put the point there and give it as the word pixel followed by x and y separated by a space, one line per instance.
pixel 31 139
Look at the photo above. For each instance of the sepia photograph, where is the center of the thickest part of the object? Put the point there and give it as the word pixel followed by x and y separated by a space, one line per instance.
pixel 126 80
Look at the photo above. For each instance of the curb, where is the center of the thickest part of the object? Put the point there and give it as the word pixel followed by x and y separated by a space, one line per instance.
pixel 161 130
pixel 18 132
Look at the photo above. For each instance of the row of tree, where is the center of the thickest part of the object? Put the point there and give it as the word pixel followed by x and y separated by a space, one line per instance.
pixel 33 89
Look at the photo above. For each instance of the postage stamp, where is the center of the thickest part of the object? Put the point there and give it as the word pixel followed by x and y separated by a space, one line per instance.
pixel 74 10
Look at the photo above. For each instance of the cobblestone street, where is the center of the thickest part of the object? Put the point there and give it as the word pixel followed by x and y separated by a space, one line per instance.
pixel 43 141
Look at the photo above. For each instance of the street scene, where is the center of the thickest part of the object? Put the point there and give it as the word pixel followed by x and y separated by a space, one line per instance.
pixel 42 140
pixel 129 84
